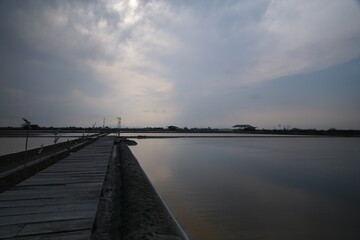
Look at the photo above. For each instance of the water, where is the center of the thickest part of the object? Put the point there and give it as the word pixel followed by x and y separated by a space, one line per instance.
pixel 16 144
pixel 258 188
pixel 190 134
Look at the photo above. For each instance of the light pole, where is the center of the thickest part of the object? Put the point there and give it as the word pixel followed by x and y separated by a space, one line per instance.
pixel 56 136
pixel 93 130
pixel 28 124
pixel 119 125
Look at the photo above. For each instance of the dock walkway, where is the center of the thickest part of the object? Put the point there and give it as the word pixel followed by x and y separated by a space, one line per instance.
pixel 59 202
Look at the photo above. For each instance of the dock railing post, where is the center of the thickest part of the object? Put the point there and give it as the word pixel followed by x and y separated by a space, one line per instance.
pixel 28 125
pixel 119 126
pixel 26 144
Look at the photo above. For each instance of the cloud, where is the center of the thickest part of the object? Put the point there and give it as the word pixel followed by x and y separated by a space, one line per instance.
pixel 249 42
pixel 299 37
pixel 104 55
pixel 159 62
pixel 12 99
pixel 15 93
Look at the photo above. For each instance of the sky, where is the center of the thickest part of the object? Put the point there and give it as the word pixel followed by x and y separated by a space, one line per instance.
pixel 154 63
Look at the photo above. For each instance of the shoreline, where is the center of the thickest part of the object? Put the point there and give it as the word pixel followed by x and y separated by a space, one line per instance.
pixel 19 132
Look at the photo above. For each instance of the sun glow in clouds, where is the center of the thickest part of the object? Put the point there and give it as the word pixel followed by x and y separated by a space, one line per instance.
pixel 175 62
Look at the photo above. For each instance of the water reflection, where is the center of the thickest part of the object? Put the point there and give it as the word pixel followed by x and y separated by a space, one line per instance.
pixel 16 144
pixel 267 188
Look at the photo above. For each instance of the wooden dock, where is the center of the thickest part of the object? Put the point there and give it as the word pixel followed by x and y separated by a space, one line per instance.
pixel 59 202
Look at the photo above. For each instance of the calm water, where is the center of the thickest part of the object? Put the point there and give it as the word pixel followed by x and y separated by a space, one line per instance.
pixel 17 144
pixel 167 134
pixel 258 188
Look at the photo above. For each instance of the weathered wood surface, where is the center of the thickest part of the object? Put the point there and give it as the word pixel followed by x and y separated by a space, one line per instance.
pixel 59 202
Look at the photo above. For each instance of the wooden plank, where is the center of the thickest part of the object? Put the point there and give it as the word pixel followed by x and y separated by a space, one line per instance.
pixel 10 231
pixel 56 227
pixel 43 196
pixel 58 207
pixel 46 217
pixel 58 189
pixel 72 235
pixel 59 202
pixel 60 184
pixel 36 202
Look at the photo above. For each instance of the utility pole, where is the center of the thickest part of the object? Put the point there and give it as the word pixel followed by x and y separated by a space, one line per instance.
pixel 28 124
pixel 104 123
pixel 119 125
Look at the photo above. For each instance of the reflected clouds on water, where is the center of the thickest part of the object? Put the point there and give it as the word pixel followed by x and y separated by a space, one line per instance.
pixel 263 188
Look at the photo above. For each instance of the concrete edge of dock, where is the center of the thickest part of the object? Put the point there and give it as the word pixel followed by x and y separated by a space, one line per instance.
pixel 130 207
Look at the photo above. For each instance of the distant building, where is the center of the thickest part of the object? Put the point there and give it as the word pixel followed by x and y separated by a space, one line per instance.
pixel 173 128
pixel 244 127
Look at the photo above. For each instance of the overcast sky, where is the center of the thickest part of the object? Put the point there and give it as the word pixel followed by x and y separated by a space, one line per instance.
pixel 194 63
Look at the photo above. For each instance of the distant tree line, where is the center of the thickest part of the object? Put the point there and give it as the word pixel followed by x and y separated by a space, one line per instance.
pixel 293 131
